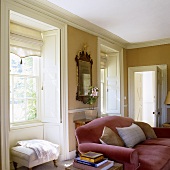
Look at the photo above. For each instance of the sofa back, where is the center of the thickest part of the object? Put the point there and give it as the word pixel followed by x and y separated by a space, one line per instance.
pixel 92 131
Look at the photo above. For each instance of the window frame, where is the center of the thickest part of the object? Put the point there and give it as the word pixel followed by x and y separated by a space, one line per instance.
pixel 38 95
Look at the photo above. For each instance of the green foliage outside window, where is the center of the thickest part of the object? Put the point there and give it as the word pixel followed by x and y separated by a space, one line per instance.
pixel 23 88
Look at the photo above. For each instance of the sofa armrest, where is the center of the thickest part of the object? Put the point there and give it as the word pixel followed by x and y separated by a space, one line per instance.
pixel 116 153
pixel 162 132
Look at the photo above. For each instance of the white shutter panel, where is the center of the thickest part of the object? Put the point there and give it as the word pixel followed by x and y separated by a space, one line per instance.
pixel 51 77
pixel 113 86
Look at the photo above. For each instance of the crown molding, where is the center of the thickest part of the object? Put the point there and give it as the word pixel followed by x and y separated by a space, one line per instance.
pixel 148 43
pixel 68 18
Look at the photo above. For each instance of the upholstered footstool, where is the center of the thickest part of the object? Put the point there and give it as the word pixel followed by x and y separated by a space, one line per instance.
pixel 28 158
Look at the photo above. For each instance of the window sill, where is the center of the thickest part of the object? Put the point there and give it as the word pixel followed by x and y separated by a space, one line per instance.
pixel 15 126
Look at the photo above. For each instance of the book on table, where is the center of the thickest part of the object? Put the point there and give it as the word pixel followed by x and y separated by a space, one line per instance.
pixel 96 164
pixel 92 156
pixel 104 166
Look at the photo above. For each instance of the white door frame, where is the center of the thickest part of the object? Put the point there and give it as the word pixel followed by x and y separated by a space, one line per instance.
pixel 131 71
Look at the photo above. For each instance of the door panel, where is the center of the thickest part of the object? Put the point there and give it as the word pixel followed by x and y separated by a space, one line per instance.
pixel 158 86
pixel 138 96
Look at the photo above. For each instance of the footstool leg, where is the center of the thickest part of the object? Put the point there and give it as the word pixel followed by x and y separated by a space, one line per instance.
pixel 15 165
pixel 30 168
pixel 55 162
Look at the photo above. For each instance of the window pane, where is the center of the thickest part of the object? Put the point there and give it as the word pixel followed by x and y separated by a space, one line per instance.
pixel 30 65
pixel 27 65
pixel 23 88
pixel 31 87
pixel 15 66
pixel 19 87
pixel 31 109
pixel 24 66
pixel 19 111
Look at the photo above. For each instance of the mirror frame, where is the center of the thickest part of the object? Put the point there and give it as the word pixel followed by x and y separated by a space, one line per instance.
pixel 83 57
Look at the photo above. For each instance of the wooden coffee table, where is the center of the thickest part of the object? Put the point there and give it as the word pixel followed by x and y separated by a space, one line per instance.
pixel 117 166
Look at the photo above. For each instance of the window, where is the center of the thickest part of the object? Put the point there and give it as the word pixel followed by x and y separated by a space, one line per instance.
pixel 25 51
pixel 24 88
pixel 110 84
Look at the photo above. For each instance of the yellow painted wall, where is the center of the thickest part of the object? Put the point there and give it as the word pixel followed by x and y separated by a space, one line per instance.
pixel 155 55
pixel 76 40
pixel 149 56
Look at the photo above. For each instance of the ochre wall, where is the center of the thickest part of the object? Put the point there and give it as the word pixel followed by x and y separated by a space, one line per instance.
pixel 76 40
pixel 155 55
pixel 149 56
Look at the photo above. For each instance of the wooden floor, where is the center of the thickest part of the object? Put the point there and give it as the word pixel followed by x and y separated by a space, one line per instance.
pixel 50 166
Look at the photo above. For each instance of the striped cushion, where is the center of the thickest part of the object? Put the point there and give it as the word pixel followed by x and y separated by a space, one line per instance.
pixel 131 135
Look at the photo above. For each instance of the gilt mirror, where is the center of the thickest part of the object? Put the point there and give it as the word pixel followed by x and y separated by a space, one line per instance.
pixel 84 75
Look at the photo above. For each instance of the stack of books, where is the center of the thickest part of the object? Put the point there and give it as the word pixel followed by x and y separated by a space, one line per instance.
pixel 92 161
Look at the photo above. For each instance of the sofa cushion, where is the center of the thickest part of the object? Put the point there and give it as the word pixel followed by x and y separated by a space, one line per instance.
pixel 131 135
pixel 153 157
pixel 157 141
pixel 147 129
pixel 110 137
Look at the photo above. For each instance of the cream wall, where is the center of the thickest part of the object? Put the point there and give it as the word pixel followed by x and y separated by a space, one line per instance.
pixel 155 55
pixel 76 40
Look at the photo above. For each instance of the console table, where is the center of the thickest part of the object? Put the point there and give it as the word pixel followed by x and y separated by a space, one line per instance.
pixel 79 123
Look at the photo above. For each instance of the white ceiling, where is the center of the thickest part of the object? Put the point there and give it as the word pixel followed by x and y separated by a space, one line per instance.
pixel 132 20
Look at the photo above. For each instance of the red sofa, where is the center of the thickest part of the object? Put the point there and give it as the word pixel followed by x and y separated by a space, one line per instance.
pixel 151 154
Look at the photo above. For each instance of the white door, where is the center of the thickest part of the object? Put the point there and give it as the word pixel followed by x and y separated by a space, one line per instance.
pixel 155 102
pixel 138 96
pixel 158 91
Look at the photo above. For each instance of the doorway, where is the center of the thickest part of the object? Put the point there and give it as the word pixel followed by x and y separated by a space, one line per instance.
pixel 147 90
pixel 144 92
